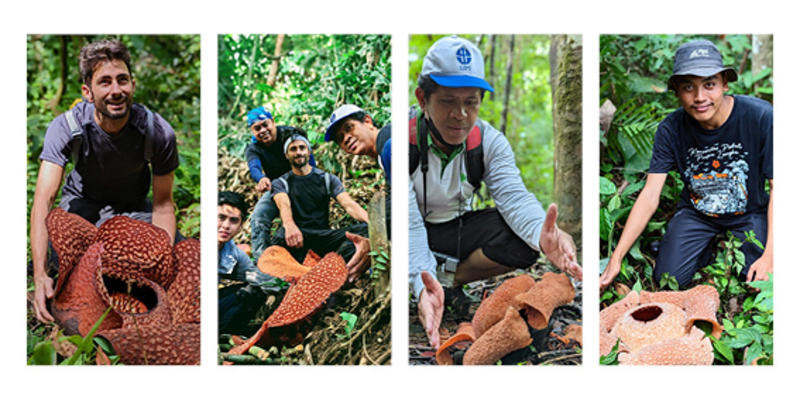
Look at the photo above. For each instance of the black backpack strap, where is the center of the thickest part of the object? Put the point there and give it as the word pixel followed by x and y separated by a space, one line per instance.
pixel 328 183
pixel 76 136
pixel 418 153
pixel 474 149
pixel 285 184
pixel 148 134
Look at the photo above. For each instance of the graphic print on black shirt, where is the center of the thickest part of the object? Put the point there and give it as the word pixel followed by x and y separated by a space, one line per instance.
pixel 717 178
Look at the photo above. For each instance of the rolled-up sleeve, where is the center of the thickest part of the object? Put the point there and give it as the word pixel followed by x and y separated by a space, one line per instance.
pixel 420 257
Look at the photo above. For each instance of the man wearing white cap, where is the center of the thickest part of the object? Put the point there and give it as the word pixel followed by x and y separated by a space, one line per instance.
pixel 302 196
pixel 721 145
pixel 452 151
pixel 354 131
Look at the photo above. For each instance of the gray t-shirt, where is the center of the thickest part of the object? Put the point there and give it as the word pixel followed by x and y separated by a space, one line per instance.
pixel 111 169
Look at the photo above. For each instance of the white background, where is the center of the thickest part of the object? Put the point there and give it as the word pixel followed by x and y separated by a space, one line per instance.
pixel 398 18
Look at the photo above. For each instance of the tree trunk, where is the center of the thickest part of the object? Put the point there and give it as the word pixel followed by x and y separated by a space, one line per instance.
pixel 492 47
pixel 256 45
pixel 509 72
pixel 566 73
pixel 273 70
pixel 762 54
pixel 379 239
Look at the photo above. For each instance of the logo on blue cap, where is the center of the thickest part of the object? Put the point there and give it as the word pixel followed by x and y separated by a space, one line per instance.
pixel 463 56
pixel 333 117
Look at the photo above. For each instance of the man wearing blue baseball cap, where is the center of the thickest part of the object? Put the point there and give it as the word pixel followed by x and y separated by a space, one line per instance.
pixel 266 162
pixel 721 145
pixel 452 152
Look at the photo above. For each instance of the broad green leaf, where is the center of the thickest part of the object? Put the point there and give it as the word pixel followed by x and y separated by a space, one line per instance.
pixel 43 354
pixel 723 349
pixel 638 286
pixel 607 187
pixel 753 352
pixel 614 203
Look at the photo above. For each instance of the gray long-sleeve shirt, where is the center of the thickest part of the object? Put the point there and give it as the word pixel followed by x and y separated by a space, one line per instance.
pixel 518 207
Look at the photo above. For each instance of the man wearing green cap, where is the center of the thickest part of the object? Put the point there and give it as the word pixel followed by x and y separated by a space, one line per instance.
pixel 446 135
pixel 721 145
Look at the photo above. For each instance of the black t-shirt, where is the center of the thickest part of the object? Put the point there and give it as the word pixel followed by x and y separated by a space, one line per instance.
pixel 270 160
pixel 724 169
pixel 309 197
pixel 111 169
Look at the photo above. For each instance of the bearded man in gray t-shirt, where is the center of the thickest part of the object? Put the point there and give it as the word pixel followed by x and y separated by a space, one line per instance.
pixel 114 144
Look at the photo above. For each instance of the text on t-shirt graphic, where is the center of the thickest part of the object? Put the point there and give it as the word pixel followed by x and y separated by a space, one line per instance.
pixel 717 176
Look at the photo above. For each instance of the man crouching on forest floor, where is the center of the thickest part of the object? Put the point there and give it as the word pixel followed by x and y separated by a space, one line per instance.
pixel 722 147
pixel 484 243
pixel 114 146
pixel 237 304
pixel 302 196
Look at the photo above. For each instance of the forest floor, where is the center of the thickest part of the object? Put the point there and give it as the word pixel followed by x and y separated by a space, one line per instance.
pixel 354 326
pixel 546 348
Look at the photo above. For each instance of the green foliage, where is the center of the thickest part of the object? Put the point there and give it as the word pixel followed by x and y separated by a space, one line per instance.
pixel 530 121
pixel 610 359
pixel 167 74
pixel 748 332
pixel 316 74
pixel 44 352
pixel 380 263
pixel 351 320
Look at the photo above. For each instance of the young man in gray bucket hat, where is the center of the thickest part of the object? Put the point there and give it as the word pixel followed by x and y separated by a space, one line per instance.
pixel 478 244
pixel 721 145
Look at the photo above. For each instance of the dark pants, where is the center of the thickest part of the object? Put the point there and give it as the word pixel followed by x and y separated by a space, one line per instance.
pixel 323 241
pixel 687 245
pixel 237 304
pixel 484 229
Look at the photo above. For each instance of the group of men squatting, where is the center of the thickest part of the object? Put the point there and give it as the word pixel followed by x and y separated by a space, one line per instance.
pixel 283 168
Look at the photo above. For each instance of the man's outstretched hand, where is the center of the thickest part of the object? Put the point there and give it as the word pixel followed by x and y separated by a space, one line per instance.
pixel 430 308
pixel 558 245
pixel 360 259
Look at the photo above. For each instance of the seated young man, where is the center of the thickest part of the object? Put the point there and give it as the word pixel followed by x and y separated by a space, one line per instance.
pixel 302 196
pixel 237 303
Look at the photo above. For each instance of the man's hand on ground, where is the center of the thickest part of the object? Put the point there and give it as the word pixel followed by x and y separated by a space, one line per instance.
pixel 760 268
pixel 294 238
pixel 611 272
pixel 360 259
pixel 558 246
pixel 264 185
pixel 431 307
pixel 43 290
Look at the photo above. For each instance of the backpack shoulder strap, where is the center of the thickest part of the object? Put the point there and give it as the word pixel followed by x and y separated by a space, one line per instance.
pixel 285 183
pixel 328 183
pixel 148 134
pixel 76 135
pixel 475 167
pixel 413 148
